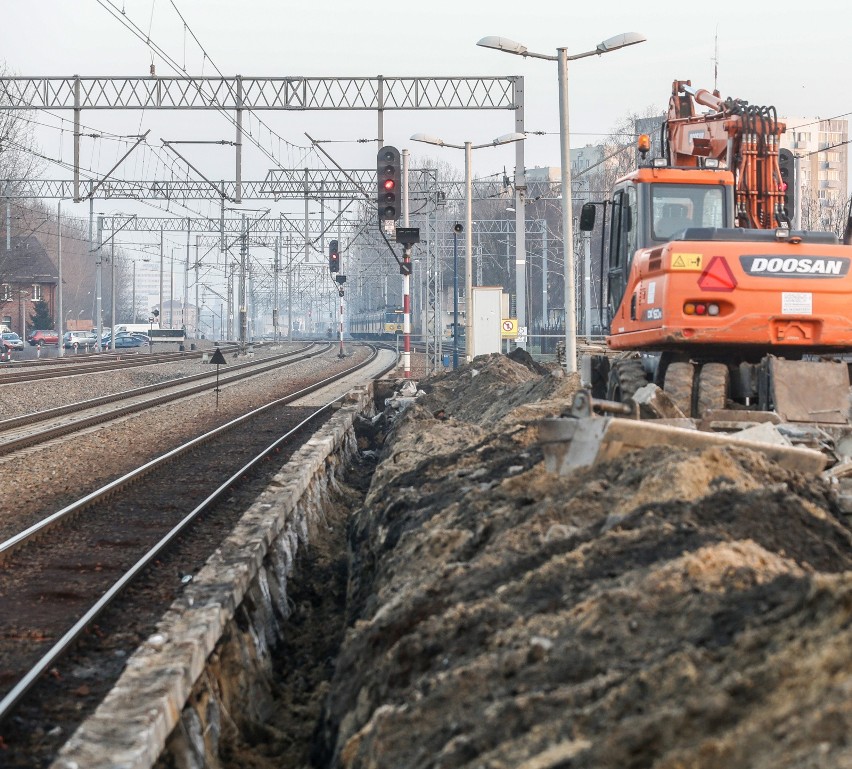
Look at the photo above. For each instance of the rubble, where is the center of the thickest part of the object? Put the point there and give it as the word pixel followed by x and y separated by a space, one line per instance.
pixel 669 608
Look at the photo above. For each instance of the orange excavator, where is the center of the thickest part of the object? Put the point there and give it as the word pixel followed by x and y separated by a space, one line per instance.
pixel 712 294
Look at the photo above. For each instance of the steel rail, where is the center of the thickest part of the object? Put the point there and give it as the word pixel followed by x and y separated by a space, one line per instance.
pixel 252 368
pixel 49 658
pixel 30 371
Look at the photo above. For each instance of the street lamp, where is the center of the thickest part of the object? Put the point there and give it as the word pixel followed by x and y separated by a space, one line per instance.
pixel 562 58
pixel 468 147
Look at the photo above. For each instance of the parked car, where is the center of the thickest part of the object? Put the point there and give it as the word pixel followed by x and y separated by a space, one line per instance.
pixel 107 337
pixel 129 340
pixel 11 341
pixel 82 339
pixel 43 336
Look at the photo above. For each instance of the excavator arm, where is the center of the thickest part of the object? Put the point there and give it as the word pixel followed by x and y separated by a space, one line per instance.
pixel 744 137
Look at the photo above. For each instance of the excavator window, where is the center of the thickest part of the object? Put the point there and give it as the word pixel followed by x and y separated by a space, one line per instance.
pixel 675 218
pixel 679 206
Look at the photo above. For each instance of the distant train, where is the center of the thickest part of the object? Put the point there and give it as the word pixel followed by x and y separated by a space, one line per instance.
pixel 377 324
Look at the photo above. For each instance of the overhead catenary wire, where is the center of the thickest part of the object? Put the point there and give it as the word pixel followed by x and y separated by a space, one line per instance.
pixel 111 8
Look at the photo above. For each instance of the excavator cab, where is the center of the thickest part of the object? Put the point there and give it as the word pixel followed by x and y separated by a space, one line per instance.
pixel 654 206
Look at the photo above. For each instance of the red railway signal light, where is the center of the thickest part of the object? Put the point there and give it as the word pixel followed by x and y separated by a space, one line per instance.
pixel 388 176
pixel 333 256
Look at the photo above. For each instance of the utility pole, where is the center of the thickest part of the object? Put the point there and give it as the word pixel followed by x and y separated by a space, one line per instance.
pixel 587 285
pixel 279 243
pixel 307 234
pixel 172 291
pixel 229 282
pixel 242 285
pixel 160 307
pixel 60 323
pixel 197 310
pixel 112 291
pixel 98 276
pixel 340 241
pixel 544 272
pixel 185 280
pixel 289 290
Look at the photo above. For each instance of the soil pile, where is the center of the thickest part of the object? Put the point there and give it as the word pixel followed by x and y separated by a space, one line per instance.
pixel 670 609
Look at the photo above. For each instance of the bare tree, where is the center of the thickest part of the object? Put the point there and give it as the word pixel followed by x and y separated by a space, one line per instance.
pixel 17 139
pixel 824 215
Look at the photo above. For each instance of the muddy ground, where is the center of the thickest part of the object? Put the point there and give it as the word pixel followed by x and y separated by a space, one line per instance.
pixel 668 609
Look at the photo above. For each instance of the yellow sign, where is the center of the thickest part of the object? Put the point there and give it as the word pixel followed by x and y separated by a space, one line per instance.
pixel 509 328
pixel 687 261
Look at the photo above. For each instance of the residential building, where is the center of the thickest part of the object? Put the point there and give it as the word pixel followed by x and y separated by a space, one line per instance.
pixel 821 150
pixel 27 275
pixel 176 314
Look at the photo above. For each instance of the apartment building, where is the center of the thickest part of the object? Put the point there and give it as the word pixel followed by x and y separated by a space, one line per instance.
pixel 822 167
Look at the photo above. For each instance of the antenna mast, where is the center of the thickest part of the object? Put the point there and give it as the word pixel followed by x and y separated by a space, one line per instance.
pixel 716 61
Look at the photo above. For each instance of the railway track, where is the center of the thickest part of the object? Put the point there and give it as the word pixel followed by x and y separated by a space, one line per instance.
pixel 33 371
pixel 91 550
pixel 31 429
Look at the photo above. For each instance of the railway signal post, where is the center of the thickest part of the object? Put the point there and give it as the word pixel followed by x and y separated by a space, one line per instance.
pixel 341 279
pixel 407 236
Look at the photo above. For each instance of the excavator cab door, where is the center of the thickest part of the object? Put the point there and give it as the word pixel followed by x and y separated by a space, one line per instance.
pixel 622 246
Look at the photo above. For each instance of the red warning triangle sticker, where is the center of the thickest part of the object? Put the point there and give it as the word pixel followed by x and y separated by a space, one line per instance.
pixel 717 276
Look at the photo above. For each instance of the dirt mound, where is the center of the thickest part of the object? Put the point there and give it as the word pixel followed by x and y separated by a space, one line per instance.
pixel 669 609
pixel 485 391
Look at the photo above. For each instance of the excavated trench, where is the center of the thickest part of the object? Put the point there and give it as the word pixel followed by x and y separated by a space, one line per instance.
pixel 443 601
pixel 274 725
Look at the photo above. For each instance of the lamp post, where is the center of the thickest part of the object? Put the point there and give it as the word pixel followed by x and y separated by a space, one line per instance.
pixel 456 229
pixel 562 58
pixel 468 148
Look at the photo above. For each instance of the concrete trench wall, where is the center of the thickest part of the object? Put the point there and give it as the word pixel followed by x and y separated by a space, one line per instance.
pixel 205 670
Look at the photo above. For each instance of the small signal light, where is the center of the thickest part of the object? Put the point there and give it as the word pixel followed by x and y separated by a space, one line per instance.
pixel 643 144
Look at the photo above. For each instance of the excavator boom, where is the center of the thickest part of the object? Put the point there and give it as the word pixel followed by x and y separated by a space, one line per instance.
pixel 744 137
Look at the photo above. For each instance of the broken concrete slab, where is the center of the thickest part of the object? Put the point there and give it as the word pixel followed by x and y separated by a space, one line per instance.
pixel 655 403
pixel 571 443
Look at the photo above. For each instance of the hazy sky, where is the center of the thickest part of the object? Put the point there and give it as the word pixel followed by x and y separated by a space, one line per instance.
pixel 790 55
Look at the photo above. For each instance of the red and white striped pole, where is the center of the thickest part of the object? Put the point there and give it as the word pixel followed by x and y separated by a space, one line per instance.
pixel 405 269
pixel 341 354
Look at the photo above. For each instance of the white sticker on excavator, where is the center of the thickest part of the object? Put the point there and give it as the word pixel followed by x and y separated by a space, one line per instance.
pixel 652 292
pixel 797 303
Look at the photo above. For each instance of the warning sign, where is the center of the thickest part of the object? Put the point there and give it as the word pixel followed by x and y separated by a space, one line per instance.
pixel 687 261
pixel 509 328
